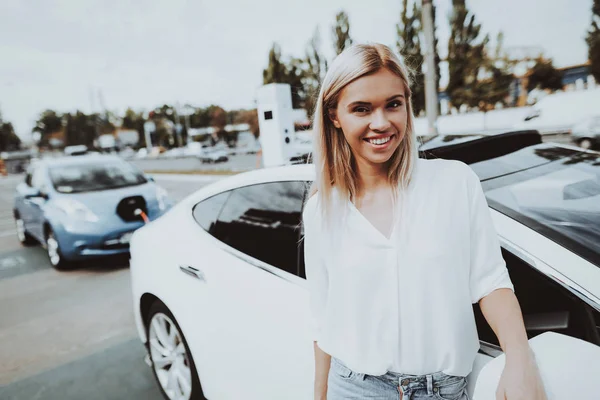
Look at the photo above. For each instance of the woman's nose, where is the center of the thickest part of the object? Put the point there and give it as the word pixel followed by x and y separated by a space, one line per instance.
pixel 379 121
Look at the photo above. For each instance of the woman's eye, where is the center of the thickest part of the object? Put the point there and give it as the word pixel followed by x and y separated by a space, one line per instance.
pixel 395 104
pixel 361 109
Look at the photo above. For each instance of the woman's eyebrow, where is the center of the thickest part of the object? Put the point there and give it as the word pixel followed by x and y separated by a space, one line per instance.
pixel 366 103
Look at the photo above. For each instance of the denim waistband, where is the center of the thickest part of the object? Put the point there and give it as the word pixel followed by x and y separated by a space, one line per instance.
pixel 420 381
pixel 415 381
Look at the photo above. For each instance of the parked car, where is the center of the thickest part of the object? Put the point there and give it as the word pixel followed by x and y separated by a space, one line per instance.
pixel 76 150
pixel 231 299
pixel 213 156
pixel 84 207
pixel 559 112
pixel 587 133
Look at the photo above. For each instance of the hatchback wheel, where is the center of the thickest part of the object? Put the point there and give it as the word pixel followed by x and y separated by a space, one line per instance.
pixel 54 254
pixel 25 238
pixel 170 356
pixel 585 144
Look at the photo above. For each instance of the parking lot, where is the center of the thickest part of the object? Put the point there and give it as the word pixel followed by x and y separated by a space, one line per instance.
pixel 70 335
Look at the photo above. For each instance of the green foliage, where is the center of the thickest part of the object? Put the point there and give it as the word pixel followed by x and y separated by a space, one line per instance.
pixel 341 32
pixel 465 56
pixel 593 41
pixel 544 75
pixel 409 47
pixel 314 72
pixel 278 71
pixel 48 122
pixel 477 78
pixel 9 141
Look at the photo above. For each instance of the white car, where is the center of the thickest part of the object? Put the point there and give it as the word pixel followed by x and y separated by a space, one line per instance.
pixel 221 301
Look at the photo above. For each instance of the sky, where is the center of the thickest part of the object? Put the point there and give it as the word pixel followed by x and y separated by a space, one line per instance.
pixel 90 54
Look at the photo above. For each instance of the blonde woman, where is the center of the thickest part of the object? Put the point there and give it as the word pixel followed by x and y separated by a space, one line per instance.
pixel 397 250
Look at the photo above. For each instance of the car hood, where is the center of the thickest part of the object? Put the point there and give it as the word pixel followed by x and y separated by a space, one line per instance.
pixel 104 202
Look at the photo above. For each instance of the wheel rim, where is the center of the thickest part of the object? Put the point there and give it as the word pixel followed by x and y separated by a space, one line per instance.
pixel 53 253
pixel 169 358
pixel 20 229
pixel 585 144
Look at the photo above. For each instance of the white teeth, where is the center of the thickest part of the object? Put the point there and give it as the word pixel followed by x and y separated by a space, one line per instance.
pixel 379 141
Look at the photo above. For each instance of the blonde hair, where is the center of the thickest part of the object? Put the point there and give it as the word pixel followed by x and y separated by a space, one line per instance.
pixel 333 159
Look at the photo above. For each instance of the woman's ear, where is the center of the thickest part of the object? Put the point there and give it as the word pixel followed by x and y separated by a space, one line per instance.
pixel 333 117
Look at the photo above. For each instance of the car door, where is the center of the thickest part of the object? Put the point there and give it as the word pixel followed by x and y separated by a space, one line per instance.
pixel 22 203
pixel 37 204
pixel 257 342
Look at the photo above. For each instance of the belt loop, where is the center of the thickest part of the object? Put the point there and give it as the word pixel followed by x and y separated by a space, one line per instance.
pixel 429 384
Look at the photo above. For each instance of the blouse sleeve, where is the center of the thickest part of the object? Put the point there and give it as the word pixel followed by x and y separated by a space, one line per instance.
pixel 316 271
pixel 487 267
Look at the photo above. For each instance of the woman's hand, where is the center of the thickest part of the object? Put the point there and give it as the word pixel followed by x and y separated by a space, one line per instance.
pixel 521 380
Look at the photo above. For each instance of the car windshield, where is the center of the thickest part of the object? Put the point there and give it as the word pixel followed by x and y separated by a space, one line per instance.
pixel 560 199
pixel 78 178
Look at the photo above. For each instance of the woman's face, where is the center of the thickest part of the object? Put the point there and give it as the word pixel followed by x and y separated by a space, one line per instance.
pixel 372 114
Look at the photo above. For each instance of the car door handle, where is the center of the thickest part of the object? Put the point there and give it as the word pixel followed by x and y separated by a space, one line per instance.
pixel 194 272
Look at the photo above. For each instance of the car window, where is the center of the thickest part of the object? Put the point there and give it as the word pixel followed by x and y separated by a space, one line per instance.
pixel 207 211
pixel 93 176
pixel 546 306
pixel 263 221
pixel 560 200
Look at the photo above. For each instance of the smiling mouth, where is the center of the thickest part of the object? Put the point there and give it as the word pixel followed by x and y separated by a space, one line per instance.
pixel 379 141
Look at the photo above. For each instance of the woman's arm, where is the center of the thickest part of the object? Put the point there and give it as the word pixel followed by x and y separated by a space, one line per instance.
pixel 520 378
pixel 322 362
pixel 502 311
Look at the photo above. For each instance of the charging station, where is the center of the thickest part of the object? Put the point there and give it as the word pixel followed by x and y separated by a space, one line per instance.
pixel 276 123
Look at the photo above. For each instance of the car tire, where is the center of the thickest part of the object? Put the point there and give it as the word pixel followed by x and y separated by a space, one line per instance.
pixel 25 238
pixel 586 143
pixel 160 322
pixel 54 253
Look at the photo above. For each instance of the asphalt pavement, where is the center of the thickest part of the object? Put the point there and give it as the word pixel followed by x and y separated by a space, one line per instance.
pixel 70 335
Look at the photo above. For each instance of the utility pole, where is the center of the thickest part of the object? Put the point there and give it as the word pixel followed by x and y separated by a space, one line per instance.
pixel 431 98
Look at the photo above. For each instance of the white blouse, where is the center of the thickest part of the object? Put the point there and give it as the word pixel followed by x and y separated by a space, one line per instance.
pixel 404 304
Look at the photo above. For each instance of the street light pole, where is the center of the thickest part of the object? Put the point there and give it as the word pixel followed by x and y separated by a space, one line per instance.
pixel 431 98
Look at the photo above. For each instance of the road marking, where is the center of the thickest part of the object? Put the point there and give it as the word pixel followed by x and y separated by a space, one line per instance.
pixel 11 262
pixel 7 233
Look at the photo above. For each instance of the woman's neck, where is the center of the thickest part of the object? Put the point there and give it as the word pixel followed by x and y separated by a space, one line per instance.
pixel 371 179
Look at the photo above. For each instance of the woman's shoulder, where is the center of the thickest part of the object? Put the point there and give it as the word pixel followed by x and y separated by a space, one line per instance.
pixel 448 169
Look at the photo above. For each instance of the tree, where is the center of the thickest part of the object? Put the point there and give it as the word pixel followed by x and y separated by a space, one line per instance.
pixel 315 70
pixel 278 71
pixel 136 121
pixel 543 75
pixel 409 47
pixel 9 140
pixel 437 58
pixel 81 128
pixel 465 56
pixel 593 41
pixel 249 117
pixel 48 122
pixel 341 32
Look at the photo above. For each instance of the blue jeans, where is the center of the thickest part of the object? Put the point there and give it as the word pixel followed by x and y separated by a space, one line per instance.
pixel 343 383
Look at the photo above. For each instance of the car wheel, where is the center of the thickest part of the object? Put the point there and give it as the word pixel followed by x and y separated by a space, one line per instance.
pixel 54 254
pixel 25 238
pixel 585 144
pixel 172 363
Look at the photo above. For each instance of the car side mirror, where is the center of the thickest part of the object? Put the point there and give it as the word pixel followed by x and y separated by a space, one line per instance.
pixel 32 193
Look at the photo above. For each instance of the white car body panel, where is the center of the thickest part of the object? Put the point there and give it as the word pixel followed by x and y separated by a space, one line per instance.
pixel 247 323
